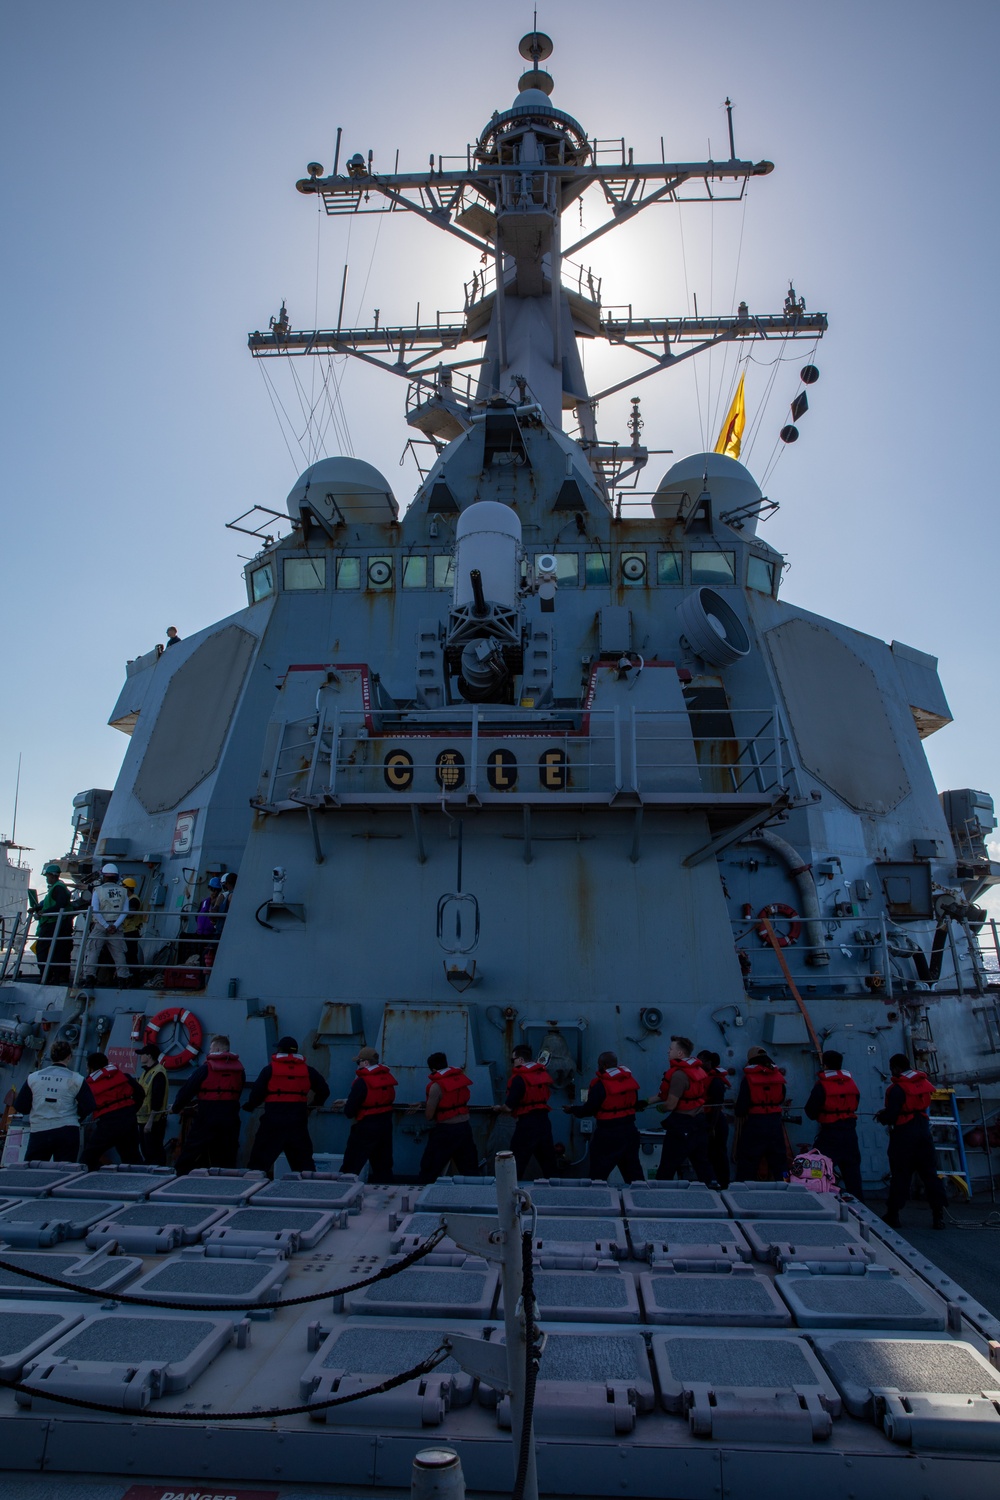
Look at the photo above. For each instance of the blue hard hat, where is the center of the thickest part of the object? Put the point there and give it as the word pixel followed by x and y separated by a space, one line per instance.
pixel 215 884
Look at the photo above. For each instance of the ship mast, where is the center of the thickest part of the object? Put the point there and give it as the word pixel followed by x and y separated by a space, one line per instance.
pixel 532 302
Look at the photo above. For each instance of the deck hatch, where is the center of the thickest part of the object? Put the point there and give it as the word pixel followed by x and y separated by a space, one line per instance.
pixel 698 1244
pixel 652 1199
pixel 740 1300
pixel 45 1221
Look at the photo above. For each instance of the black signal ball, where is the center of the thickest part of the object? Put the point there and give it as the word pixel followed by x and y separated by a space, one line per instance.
pixel 789 434
pixel 799 406
pixel 809 374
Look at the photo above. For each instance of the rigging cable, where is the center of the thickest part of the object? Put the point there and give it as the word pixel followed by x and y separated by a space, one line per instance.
pixel 261 1414
pixel 109 1295
pixel 275 401
pixel 742 353
pixel 319 221
pixel 711 308
pixel 687 304
pixel 762 406
pixel 779 446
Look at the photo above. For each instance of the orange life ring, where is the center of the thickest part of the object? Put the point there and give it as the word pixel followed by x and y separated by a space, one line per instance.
pixel 788 914
pixel 185 1020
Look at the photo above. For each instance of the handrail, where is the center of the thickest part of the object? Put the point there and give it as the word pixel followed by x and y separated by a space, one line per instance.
pixel 79 920
pixel 653 751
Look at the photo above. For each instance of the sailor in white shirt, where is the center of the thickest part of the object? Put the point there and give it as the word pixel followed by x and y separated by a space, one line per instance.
pixel 50 1096
pixel 109 912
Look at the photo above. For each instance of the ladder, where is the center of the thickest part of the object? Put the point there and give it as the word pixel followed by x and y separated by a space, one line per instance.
pixel 946 1128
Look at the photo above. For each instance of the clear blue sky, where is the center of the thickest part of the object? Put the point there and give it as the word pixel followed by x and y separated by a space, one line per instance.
pixel 151 220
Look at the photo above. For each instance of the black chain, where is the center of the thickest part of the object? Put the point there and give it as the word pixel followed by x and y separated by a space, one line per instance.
pixel 337 1291
pixel 264 1414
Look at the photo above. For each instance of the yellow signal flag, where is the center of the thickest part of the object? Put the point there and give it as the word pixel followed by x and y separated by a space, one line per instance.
pixel 732 428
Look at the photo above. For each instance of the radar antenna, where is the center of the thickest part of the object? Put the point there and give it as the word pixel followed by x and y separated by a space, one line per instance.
pixel 507 199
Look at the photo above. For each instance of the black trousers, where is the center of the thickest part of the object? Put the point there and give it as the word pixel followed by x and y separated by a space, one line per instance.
pixel 615 1143
pixel 116 1131
pixel 283 1133
pixel 533 1138
pixel 370 1141
pixel 761 1136
pixel 685 1138
pixel 839 1141
pixel 718 1146
pixel 213 1139
pixel 449 1143
pixel 151 1142
pixel 912 1154
pixel 61 1144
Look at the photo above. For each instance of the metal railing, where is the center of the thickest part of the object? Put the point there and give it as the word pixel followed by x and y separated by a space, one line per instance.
pixel 575 277
pixel 490 753
pixel 896 954
pixel 157 949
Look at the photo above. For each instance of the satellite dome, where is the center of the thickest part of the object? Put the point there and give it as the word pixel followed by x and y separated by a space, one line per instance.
pixel 343 488
pixel 533 99
pixel 729 483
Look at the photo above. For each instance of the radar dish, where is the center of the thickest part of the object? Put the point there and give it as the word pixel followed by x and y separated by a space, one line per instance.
pixel 536 78
pixel 536 46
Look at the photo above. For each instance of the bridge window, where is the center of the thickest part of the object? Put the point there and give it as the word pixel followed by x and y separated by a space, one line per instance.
pixel 597 569
pixel 415 573
pixel 304 573
pixel 262 582
pixel 348 572
pixel 715 568
pixel 567 566
pixel 670 567
pixel 444 572
pixel 760 574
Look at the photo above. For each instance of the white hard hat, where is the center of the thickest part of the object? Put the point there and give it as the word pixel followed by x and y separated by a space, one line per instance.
pixel 109 869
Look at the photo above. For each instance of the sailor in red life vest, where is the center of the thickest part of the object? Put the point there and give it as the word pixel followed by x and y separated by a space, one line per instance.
pixel 369 1105
pixel 112 1099
pixel 612 1099
pixel 528 1090
pixel 911 1145
pixel 285 1088
pixel 718 1123
pixel 681 1100
pixel 833 1104
pixel 759 1105
pixel 447 1108
pixel 215 1088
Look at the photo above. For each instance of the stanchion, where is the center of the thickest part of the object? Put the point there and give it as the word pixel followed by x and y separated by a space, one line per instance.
pixel 437 1475
pixel 515 1316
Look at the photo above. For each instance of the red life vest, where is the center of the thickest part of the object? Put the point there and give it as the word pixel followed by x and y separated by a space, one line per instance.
pixel 693 1098
pixel 621 1094
pixel 456 1090
pixel 381 1093
pixel 767 1088
pixel 918 1090
pixel 840 1097
pixel 289 1082
pixel 225 1080
pixel 112 1089
pixel 537 1087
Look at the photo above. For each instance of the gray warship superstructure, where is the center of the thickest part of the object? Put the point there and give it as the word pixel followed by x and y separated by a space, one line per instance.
pixel 528 761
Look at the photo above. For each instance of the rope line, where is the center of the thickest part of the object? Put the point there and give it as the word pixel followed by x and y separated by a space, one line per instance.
pixel 531 1357
pixel 263 1414
pixel 339 1291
